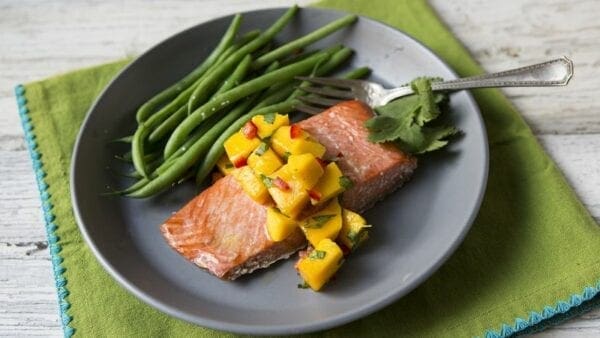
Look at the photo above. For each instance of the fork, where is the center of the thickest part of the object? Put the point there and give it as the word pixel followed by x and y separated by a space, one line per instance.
pixel 556 72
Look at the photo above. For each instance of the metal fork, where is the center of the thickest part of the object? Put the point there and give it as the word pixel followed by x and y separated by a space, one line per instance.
pixel 551 73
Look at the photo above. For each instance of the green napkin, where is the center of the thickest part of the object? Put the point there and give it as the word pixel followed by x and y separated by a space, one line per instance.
pixel 531 254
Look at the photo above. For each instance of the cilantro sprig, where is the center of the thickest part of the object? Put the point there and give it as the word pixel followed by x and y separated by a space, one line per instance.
pixel 410 121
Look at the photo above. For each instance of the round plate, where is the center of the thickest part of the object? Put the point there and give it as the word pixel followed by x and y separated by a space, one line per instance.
pixel 414 230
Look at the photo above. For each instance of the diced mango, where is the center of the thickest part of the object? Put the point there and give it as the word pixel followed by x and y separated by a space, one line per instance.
pixel 329 185
pixel 321 264
pixel 224 165
pixel 264 161
pixel 305 169
pixel 326 223
pixel 267 124
pixel 251 184
pixel 354 229
pixel 238 147
pixel 284 145
pixel 290 201
pixel 279 226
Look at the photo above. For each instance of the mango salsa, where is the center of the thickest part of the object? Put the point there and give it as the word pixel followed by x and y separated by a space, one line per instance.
pixel 264 160
pixel 305 169
pixel 291 199
pixel 238 147
pixel 326 223
pixel 279 226
pixel 251 184
pixel 321 264
pixel 329 185
pixel 224 165
pixel 268 123
pixel 354 229
pixel 284 145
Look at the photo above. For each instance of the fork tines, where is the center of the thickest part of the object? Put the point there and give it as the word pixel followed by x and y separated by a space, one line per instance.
pixel 323 96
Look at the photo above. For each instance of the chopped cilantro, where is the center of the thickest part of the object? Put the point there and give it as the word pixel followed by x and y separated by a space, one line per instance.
pixel 408 121
pixel 317 254
pixel 261 149
pixel 228 165
pixel 269 118
pixel 346 182
pixel 356 237
pixel 286 155
pixel 267 181
pixel 317 222
pixel 303 285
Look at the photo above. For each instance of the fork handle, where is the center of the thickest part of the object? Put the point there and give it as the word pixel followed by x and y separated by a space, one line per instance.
pixel 550 73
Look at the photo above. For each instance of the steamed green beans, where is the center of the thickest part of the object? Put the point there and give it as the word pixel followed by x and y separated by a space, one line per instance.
pixel 149 107
pixel 199 94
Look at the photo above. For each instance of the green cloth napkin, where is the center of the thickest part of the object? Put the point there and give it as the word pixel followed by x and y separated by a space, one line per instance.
pixel 531 254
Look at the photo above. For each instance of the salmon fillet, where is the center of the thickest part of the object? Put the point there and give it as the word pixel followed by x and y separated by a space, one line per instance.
pixel 223 230
pixel 375 169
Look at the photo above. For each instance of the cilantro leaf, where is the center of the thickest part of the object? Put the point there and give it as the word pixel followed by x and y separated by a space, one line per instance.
pixel 269 118
pixel 317 254
pixel 408 121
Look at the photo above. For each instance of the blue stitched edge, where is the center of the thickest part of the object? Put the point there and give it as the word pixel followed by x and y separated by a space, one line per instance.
pixel 547 312
pixel 53 245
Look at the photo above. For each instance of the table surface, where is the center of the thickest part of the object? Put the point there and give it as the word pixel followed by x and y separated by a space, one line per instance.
pixel 39 39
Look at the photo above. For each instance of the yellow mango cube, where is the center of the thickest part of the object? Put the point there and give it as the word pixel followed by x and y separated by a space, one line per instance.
pixel 268 123
pixel 224 165
pixel 329 185
pixel 321 264
pixel 326 223
pixel 238 147
pixel 264 160
pixel 251 184
pixel 305 169
pixel 354 229
pixel 279 226
pixel 290 200
pixel 284 145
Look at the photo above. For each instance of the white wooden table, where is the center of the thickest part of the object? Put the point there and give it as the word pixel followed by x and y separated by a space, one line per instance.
pixel 40 38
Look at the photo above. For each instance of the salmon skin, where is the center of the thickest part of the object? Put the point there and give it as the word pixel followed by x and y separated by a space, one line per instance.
pixel 223 230
pixel 375 169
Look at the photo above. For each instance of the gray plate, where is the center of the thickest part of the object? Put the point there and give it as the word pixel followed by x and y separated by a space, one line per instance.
pixel 415 229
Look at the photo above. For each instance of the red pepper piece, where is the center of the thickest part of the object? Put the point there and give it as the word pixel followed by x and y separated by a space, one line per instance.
pixel 240 162
pixel 295 131
pixel 281 184
pixel 250 130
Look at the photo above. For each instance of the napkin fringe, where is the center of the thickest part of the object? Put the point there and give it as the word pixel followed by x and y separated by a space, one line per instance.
pixel 562 306
pixel 47 206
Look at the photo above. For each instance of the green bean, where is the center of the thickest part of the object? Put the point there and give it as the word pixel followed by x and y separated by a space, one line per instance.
pixel 137 149
pixel 244 39
pixel 124 139
pixel 309 38
pixel 223 100
pixel 199 95
pixel 237 76
pixel 172 121
pixel 149 107
pixel 184 162
pixel 357 73
pixel 216 150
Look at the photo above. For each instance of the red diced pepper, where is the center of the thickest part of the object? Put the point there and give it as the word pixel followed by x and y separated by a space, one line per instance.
pixel 295 131
pixel 314 195
pixel 281 184
pixel 240 162
pixel 249 130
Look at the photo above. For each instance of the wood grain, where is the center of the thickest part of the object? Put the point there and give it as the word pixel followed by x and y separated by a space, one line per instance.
pixel 40 38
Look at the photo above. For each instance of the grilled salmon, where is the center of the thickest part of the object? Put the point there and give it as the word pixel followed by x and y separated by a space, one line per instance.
pixel 223 230
pixel 375 169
